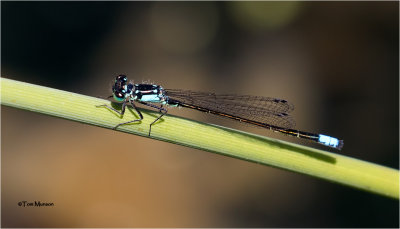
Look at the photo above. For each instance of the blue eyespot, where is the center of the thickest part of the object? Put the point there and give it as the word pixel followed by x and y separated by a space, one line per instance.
pixel 121 77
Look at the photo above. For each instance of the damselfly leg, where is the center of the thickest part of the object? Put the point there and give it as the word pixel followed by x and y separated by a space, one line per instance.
pixel 161 109
pixel 123 111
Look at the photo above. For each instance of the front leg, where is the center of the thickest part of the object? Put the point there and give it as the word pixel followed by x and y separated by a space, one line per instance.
pixel 122 113
pixel 111 108
pixel 136 120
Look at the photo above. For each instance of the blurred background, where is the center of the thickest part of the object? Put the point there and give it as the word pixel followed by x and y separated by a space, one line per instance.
pixel 336 61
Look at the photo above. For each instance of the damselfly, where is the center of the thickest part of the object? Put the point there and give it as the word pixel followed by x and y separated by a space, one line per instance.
pixel 269 113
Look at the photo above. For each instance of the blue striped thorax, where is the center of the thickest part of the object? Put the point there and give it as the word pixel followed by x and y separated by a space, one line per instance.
pixel 148 93
pixel 137 92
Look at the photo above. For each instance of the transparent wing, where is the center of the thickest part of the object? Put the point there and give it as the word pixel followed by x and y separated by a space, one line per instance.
pixel 257 108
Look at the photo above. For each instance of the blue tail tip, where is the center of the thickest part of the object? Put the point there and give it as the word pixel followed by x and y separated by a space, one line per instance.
pixel 330 141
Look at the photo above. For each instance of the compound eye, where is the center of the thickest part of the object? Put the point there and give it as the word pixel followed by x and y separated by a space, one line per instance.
pixel 121 78
pixel 118 96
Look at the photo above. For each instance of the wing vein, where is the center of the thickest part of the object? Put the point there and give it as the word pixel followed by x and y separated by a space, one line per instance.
pixel 267 110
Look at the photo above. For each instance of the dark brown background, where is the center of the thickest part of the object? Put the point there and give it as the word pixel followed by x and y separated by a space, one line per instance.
pixel 336 61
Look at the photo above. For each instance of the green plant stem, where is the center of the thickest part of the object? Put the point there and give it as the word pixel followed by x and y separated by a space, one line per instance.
pixel 326 165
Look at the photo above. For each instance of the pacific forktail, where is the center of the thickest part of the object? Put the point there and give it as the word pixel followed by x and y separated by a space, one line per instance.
pixel 265 112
